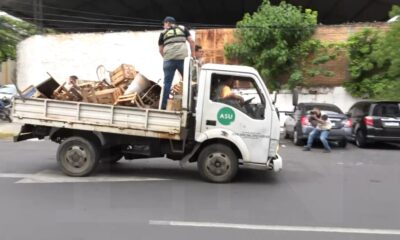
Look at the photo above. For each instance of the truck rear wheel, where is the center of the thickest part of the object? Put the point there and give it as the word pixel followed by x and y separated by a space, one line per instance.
pixel 217 163
pixel 77 157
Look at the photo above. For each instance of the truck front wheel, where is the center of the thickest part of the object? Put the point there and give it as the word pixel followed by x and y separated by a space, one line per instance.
pixel 217 163
pixel 77 157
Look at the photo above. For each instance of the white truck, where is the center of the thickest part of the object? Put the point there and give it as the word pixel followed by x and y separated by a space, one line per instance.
pixel 219 134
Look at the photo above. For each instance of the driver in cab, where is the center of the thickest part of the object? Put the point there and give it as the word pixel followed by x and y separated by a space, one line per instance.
pixel 226 94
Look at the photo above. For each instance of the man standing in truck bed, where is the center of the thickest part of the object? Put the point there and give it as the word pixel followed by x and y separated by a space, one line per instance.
pixel 172 45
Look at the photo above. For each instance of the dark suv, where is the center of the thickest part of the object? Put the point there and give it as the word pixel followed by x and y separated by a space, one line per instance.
pixel 298 126
pixel 374 121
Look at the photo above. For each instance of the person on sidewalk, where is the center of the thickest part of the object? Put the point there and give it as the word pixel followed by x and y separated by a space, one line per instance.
pixel 322 130
pixel 172 47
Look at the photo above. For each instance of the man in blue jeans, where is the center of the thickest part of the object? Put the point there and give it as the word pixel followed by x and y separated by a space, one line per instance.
pixel 322 130
pixel 172 46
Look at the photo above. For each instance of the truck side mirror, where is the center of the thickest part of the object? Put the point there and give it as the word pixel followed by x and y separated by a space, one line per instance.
pixel 275 97
pixel 295 98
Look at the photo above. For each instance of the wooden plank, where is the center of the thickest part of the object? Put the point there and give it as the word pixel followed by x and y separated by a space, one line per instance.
pixel 108 96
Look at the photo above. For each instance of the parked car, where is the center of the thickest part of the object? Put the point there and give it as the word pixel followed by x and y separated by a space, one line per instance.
pixel 298 127
pixel 374 121
pixel 7 91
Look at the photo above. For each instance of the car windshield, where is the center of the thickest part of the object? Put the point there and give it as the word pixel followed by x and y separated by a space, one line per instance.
pixel 387 110
pixel 325 109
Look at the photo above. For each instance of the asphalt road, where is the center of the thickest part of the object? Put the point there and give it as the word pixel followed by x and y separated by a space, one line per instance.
pixel 352 193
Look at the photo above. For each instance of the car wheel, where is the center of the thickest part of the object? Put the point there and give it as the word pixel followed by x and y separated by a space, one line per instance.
pixel 296 138
pixel 217 163
pixel 361 141
pixel 77 157
pixel 285 133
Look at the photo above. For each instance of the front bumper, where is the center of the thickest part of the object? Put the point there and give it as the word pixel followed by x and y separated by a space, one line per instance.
pixel 275 164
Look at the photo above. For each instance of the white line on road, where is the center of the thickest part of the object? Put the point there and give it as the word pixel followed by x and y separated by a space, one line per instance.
pixel 277 227
pixel 49 176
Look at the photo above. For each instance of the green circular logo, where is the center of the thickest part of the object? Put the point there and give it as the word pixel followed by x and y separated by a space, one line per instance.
pixel 226 116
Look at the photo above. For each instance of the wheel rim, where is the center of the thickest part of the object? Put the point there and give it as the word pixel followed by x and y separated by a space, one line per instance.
pixel 295 137
pixel 218 164
pixel 76 158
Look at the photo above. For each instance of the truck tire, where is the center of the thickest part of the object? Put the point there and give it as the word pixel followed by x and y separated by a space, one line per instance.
pixel 217 163
pixel 77 157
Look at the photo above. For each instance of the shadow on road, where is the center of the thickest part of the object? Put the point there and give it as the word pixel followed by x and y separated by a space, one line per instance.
pixel 383 146
pixel 190 173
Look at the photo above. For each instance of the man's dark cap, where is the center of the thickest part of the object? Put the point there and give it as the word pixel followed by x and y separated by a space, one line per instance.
pixel 169 19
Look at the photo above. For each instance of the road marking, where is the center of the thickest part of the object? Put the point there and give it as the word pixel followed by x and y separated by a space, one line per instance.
pixel 277 227
pixel 50 176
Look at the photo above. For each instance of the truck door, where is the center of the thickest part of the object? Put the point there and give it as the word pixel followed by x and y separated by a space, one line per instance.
pixel 236 102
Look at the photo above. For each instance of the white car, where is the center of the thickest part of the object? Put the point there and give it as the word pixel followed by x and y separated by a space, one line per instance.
pixel 7 91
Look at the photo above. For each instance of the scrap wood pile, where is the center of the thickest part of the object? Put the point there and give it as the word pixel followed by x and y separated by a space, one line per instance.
pixel 102 92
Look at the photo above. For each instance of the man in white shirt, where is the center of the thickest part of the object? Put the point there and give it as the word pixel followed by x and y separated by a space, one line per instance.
pixel 324 125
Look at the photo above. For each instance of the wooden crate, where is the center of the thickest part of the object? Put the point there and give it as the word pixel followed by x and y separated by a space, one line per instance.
pixel 130 100
pixel 88 94
pixel 123 74
pixel 61 93
pixel 151 96
pixel 108 96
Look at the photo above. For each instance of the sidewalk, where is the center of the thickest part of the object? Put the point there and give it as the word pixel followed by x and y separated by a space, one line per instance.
pixel 8 130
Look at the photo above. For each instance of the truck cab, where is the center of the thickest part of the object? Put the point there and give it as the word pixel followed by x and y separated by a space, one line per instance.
pixel 251 125
pixel 216 127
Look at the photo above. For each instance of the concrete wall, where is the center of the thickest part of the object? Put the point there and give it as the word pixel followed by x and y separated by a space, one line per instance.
pixel 7 70
pixel 80 54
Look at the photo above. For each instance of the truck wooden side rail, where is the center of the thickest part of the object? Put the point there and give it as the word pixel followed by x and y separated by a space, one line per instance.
pixel 100 117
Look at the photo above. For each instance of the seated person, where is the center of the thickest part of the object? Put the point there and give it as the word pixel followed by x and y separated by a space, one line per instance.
pixel 225 93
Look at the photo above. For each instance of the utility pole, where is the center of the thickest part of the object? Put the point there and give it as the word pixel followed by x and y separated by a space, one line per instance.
pixel 38 14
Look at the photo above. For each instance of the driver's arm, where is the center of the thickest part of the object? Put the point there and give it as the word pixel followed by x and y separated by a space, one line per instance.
pixel 228 94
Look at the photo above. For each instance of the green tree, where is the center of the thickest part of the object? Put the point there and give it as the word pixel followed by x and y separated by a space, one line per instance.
pixel 12 31
pixel 277 40
pixel 395 11
pixel 375 63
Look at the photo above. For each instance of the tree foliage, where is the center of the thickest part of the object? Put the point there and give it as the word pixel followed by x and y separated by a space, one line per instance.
pixel 12 31
pixel 375 64
pixel 395 11
pixel 277 40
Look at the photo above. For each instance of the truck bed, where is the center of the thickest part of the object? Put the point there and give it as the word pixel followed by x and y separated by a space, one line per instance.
pixel 99 117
